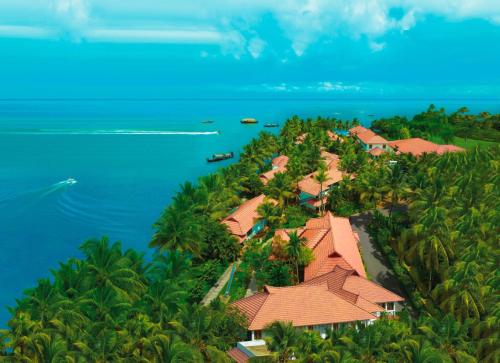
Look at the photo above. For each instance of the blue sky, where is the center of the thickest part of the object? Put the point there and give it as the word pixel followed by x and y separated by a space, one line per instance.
pixel 240 48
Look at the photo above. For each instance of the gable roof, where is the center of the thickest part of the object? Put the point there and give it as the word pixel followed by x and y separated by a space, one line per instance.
pixel 280 161
pixel 417 147
pixel 367 135
pixel 302 305
pixel 333 243
pixel 279 164
pixel 244 217
pixel 311 186
pixel 376 151
pixel 346 283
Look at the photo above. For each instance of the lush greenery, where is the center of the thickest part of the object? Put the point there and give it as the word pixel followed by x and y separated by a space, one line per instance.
pixel 112 306
pixel 437 123
pixel 434 218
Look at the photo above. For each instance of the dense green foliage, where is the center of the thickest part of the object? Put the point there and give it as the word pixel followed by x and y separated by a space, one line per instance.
pixel 434 218
pixel 436 122
pixel 112 306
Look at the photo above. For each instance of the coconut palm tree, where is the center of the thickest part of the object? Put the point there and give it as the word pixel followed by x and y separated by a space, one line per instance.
pixel 282 340
pixel 295 251
pixel 321 177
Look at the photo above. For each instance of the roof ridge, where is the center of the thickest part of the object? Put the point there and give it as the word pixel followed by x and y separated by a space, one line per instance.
pixel 371 282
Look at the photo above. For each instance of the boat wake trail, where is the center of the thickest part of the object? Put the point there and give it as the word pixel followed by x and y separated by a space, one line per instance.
pixel 29 198
pixel 107 132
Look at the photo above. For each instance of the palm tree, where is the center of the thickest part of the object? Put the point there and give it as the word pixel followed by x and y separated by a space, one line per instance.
pixel 110 269
pixel 280 189
pixel 178 229
pixel 171 349
pixel 294 250
pixel 321 177
pixel 282 340
pixel 396 185
pixel 417 351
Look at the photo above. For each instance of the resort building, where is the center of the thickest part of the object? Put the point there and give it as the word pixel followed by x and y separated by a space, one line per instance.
pixel 368 139
pixel 311 191
pixel 417 147
pixel 335 290
pixel 324 303
pixel 333 243
pixel 245 221
pixel 278 165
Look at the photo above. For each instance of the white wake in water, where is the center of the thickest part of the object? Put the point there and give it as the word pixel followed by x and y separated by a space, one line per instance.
pixel 109 132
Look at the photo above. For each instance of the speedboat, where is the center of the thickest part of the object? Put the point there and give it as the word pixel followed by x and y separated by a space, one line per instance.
pixel 70 181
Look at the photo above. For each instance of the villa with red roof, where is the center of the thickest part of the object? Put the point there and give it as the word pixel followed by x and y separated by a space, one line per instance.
pixel 377 145
pixel 310 189
pixel 417 147
pixel 335 289
pixel 278 166
pixel 323 303
pixel 245 221
pixel 368 139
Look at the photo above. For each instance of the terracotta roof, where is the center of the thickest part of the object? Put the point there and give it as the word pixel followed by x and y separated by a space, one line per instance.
pixel 244 217
pixel 238 356
pixel 376 151
pixel 357 130
pixel 332 135
pixel 310 186
pixel 367 135
pixel 417 146
pixel 358 290
pixel 303 305
pixel 280 161
pixel 369 290
pixel 279 166
pixel 333 243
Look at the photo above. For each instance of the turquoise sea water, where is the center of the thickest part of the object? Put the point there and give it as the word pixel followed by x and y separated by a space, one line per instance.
pixel 128 158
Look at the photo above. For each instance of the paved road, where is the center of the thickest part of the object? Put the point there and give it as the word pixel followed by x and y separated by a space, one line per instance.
pixel 377 267
pixel 219 285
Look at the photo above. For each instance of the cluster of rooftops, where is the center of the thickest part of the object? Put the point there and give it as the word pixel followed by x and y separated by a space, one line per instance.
pixel 335 289
pixel 376 145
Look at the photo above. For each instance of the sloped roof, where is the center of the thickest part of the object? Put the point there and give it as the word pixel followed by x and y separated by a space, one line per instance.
pixel 367 135
pixel 333 243
pixel 244 217
pixel 309 184
pixel 376 151
pixel 279 166
pixel 238 356
pixel 345 283
pixel 302 305
pixel 332 135
pixel 417 147
pixel 280 161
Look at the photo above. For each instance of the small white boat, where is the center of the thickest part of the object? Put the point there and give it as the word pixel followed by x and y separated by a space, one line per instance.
pixel 70 181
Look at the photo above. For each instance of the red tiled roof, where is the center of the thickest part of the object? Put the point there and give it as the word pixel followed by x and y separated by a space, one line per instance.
pixel 310 186
pixel 332 135
pixel 303 305
pixel 279 166
pixel 244 218
pixel 376 151
pixel 417 146
pixel 280 161
pixel 356 289
pixel 367 135
pixel 333 243
pixel 238 356
pixel 369 290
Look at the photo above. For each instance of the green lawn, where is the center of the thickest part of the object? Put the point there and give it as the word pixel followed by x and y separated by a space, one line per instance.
pixel 460 141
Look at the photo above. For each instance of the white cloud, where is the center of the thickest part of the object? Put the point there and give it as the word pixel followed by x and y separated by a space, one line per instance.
pixel 376 46
pixel 18 31
pixel 154 36
pixel 321 87
pixel 233 24
pixel 256 46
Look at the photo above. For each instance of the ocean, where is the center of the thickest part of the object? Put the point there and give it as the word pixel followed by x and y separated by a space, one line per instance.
pixel 71 170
